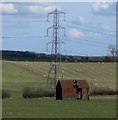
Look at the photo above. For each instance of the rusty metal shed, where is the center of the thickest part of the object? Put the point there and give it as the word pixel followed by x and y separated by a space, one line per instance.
pixel 72 89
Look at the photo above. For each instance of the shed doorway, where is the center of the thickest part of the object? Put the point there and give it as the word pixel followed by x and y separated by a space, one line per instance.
pixel 58 91
pixel 59 94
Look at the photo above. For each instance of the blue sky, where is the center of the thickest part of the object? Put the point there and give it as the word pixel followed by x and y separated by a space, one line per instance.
pixel 90 27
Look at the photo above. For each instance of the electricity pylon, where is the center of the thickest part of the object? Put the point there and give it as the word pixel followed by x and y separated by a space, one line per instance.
pixel 55 71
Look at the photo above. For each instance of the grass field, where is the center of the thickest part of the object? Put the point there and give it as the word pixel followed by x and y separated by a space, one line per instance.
pixel 50 108
pixel 17 75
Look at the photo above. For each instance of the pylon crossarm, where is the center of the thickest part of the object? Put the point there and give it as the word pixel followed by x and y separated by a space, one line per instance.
pixel 48 29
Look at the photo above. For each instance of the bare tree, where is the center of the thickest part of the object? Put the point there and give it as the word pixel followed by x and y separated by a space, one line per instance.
pixel 112 50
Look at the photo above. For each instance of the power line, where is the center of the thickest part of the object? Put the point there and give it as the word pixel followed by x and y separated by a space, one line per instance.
pixel 88 43
pixel 89 40
pixel 92 41
pixel 45 21
pixel 89 30
pixel 72 52
pixel 86 26
pixel 33 36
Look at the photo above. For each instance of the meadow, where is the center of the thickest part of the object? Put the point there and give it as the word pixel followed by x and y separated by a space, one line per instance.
pixel 19 74
pixel 50 108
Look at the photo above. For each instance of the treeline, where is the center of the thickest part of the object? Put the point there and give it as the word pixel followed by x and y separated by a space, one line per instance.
pixel 32 56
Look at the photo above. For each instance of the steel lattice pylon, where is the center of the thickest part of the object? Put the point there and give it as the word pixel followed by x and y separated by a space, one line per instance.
pixel 55 71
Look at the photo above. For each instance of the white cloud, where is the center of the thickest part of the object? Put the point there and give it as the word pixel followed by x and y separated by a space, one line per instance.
pixel 8 8
pixel 75 33
pixel 98 6
pixel 104 8
pixel 35 9
pixel 51 8
pixel 40 9
pixel 82 19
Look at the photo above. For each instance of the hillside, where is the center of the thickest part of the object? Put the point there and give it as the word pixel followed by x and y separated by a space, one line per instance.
pixel 18 74
pixel 33 56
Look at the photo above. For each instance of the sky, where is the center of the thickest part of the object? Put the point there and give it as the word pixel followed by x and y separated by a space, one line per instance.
pixel 90 27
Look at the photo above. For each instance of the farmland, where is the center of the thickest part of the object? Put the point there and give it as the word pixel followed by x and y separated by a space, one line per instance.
pixel 50 108
pixel 17 75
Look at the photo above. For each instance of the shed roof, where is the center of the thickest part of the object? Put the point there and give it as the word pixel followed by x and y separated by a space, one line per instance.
pixel 69 83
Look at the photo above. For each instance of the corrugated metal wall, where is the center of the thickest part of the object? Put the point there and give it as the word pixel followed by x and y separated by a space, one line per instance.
pixel 68 91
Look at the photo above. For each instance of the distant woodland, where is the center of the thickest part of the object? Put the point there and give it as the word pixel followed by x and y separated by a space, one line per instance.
pixel 33 56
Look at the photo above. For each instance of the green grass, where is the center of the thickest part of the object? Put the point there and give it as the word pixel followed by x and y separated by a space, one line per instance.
pixel 16 75
pixel 50 108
